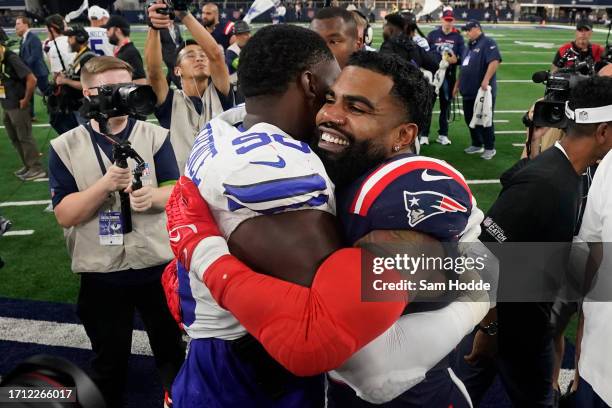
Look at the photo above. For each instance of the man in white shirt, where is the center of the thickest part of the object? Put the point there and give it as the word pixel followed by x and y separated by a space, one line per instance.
pixel 60 56
pixel 595 386
pixel 98 40
pixel 56 47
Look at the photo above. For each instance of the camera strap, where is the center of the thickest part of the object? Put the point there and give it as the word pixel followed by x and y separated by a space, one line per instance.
pixel 98 154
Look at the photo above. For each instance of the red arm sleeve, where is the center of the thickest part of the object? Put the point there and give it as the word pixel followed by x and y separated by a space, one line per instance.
pixel 307 330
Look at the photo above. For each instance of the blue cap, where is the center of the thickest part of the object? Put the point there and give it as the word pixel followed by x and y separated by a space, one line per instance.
pixel 471 24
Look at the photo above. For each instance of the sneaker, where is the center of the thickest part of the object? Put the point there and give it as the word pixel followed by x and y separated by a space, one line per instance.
pixel 443 140
pixel 423 140
pixel 33 175
pixel 488 154
pixel 474 150
pixel 5 225
pixel 21 171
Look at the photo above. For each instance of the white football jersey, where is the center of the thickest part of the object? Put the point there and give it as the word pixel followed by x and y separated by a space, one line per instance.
pixel 67 56
pixel 243 174
pixel 98 41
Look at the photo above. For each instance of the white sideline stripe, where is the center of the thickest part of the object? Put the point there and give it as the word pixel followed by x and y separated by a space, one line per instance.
pixel 46 125
pixel 491 181
pixel 500 121
pixel 460 111
pixel 515 81
pixel 527 63
pixel 518 144
pixel 18 233
pixel 24 203
pixel 42 179
pixel 509 132
pixel 60 334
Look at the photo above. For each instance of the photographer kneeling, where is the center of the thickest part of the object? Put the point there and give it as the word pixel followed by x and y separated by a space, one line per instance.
pixel 200 65
pixel 119 270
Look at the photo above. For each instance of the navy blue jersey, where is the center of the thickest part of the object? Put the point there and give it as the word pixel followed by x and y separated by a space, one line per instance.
pixel 407 192
pixel 474 63
pixel 441 43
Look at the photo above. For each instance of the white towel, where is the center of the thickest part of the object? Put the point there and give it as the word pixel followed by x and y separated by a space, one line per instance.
pixel 483 109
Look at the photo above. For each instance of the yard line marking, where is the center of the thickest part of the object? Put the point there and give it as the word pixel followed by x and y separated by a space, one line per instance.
pixel 515 81
pixel 46 125
pixel 24 203
pixel 60 334
pixel 518 144
pixel 17 233
pixel 460 111
pixel 500 121
pixel 509 132
pixel 42 179
pixel 526 63
pixel 491 181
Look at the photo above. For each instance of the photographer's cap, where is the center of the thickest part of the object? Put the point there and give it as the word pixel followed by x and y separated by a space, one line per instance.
pixel 241 27
pixel 76 31
pixel 117 21
pixel 471 24
pixel 582 24
pixel 97 13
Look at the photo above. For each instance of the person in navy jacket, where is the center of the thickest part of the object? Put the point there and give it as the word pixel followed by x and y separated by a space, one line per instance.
pixel 479 62
pixel 31 52
pixel 445 42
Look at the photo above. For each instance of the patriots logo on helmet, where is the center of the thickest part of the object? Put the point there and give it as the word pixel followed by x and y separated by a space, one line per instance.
pixel 422 205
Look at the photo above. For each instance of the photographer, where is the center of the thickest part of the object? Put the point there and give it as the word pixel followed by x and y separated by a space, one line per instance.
pixel 200 65
pixel 580 51
pixel 61 56
pixel 16 90
pixel 70 95
pixel 120 272
pixel 523 213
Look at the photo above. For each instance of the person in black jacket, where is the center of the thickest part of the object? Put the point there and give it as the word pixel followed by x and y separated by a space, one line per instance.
pixel 539 203
pixel 399 43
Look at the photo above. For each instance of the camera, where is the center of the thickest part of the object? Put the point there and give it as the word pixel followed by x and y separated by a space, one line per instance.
pixel 171 7
pixel 119 100
pixel 550 112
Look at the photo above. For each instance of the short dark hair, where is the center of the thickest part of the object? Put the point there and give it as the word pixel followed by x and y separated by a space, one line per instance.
pixel 276 55
pixel 395 19
pixel 181 47
pixel 592 92
pixel 337 12
pixel 124 30
pixel 410 86
pixel 56 22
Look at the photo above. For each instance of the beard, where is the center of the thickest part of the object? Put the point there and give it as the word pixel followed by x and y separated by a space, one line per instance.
pixel 353 162
pixel 208 23
pixel 113 40
pixel 75 47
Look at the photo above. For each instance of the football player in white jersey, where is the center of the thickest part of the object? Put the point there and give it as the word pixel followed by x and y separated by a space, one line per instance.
pixel 98 40
pixel 253 173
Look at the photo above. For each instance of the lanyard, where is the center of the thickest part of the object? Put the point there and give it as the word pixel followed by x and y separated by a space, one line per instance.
pixel 98 154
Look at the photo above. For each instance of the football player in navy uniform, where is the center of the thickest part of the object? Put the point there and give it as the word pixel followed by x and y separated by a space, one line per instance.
pixel 368 128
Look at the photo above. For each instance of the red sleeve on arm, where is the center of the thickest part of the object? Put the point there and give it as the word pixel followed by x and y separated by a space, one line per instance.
pixel 307 330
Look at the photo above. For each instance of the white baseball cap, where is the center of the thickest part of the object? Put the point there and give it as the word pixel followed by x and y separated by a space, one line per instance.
pixel 97 13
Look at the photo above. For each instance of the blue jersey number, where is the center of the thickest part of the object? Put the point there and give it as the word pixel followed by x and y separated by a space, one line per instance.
pixel 96 45
pixel 252 141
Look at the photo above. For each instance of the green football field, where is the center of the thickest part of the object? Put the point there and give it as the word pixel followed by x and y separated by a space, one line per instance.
pixel 37 265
